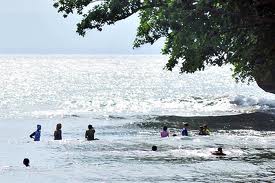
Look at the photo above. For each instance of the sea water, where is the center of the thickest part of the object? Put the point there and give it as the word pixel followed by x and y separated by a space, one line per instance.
pixel 128 99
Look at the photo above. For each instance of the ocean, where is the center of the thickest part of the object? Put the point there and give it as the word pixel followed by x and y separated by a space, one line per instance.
pixel 128 99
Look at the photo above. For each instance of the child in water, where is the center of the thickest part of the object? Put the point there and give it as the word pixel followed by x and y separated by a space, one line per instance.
pixel 218 152
pixel 164 132
pixel 90 133
pixel 206 130
pixel 201 130
pixel 58 132
pixel 184 131
pixel 36 135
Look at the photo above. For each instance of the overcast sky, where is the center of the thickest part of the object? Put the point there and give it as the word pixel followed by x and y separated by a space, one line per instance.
pixel 35 27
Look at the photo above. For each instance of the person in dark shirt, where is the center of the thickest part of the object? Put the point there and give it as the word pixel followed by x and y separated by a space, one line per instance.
pixel 90 133
pixel 58 132
pixel 36 135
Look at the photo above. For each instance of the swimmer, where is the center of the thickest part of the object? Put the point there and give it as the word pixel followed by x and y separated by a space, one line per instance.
pixel 36 135
pixel 90 133
pixel 26 162
pixel 206 130
pixel 201 132
pixel 218 152
pixel 154 148
pixel 58 132
pixel 164 132
pixel 184 131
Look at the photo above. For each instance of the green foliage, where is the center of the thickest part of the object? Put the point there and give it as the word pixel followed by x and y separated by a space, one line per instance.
pixel 197 32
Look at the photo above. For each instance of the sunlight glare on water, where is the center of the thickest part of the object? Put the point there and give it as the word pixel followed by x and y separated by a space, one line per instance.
pixel 123 96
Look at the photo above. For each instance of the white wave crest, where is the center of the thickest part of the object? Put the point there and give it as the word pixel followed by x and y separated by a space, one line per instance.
pixel 245 101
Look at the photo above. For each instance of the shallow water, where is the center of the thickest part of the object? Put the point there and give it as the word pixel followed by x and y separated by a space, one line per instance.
pixel 128 99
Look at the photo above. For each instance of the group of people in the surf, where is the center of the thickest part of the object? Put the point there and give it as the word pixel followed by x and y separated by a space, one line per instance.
pixel 203 130
pixel 89 134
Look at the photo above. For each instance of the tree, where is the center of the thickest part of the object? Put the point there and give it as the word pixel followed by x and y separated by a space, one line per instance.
pixel 197 32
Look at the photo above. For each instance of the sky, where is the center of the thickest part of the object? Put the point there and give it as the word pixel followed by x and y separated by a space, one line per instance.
pixel 35 27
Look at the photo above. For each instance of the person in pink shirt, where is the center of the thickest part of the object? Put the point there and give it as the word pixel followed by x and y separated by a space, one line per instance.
pixel 164 132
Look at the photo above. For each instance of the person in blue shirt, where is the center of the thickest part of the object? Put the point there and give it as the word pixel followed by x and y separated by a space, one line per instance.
pixel 184 131
pixel 36 135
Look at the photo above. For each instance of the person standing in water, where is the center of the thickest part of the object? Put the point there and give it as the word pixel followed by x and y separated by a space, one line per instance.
pixel 36 135
pixel 164 132
pixel 184 131
pixel 90 133
pixel 206 130
pixel 58 132
pixel 201 130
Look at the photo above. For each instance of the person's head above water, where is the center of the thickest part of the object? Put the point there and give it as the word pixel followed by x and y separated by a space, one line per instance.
pixel 26 162
pixel 154 148
pixel 165 128
pixel 90 127
pixel 219 152
pixel 185 124
pixel 58 126
pixel 38 127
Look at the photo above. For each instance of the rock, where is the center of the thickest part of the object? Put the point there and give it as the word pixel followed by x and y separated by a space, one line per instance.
pixel 266 80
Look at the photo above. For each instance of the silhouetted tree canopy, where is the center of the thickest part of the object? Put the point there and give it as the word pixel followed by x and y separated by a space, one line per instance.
pixel 197 32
